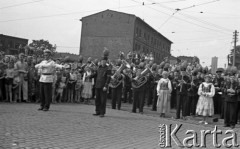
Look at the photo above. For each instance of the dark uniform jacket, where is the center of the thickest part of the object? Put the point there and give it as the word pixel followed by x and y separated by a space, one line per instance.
pixel 231 97
pixel 102 76
pixel 183 89
pixel 193 88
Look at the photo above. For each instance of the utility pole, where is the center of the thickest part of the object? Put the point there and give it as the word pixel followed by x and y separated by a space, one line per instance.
pixel 235 35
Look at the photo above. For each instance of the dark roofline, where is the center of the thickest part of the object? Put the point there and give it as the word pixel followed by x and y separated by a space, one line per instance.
pixel 13 37
pixel 154 29
pixel 107 10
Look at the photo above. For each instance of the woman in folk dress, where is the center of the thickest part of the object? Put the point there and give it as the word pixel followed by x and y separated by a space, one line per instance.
pixel 205 105
pixel 87 85
pixel 164 89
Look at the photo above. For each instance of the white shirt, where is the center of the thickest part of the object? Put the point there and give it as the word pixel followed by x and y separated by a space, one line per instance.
pixel 47 67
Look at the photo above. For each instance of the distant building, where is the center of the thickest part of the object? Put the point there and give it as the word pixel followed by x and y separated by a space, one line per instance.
pixel 214 64
pixel 237 58
pixel 189 59
pixel 173 60
pixel 11 45
pixel 119 31
pixel 60 55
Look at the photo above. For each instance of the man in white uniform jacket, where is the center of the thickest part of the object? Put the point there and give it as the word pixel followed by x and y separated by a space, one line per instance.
pixel 47 69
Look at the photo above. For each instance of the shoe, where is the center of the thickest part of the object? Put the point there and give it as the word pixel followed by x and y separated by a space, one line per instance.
pixel 200 122
pixel 141 112
pixel 226 125
pixel 45 109
pixel 163 115
pixel 96 114
pixel 40 109
pixel 205 123
pixel 233 126
pixel 184 118
pixel 133 111
pixel 101 115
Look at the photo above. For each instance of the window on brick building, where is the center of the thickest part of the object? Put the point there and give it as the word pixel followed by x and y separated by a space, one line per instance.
pixel 145 36
pixel 140 33
pixel 17 45
pixel 136 46
pixel 10 44
pixel 136 32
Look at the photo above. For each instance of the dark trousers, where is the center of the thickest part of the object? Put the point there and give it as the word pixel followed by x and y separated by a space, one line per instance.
pixel 138 99
pixel 182 105
pixel 193 104
pixel 230 113
pixel 100 102
pixel 149 96
pixel 93 91
pixel 173 99
pixel 217 104
pixel 1 89
pixel 128 94
pixel 222 107
pixel 45 94
pixel 155 99
pixel 116 97
pixel 237 112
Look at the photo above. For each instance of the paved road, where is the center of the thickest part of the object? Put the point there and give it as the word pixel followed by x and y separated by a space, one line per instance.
pixel 72 126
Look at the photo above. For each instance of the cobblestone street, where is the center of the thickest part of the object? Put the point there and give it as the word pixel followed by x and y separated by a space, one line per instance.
pixel 73 126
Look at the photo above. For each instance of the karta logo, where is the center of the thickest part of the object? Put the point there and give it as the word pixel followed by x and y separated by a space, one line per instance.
pixel 168 135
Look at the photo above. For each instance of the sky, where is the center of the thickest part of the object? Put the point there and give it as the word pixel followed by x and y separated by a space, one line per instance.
pixel 202 28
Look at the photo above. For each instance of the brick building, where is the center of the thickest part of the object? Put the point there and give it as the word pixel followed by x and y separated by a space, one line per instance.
pixel 10 45
pixel 120 32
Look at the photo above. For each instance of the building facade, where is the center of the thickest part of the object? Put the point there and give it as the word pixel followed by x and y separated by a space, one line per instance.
pixel 189 59
pixel 11 45
pixel 119 31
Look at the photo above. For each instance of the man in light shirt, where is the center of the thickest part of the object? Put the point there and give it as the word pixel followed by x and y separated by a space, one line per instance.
pixel 21 67
pixel 47 67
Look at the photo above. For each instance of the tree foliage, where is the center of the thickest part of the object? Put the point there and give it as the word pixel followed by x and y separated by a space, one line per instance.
pixel 37 46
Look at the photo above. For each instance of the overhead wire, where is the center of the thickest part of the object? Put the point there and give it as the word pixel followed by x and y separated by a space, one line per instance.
pixel 221 29
pixel 65 14
pixel 20 4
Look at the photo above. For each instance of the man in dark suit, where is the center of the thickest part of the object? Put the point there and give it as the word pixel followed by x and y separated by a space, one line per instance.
pixel 102 76
pixel 182 98
pixel 217 99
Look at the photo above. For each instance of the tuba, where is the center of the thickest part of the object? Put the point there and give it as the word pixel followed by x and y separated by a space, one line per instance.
pixel 117 78
pixel 142 79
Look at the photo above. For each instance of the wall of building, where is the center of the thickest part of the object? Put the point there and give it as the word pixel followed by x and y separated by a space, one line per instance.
pixel 109 29
pixel 147 40
pixel 10 45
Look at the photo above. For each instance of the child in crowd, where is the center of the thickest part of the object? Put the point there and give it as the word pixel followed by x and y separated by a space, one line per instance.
pixel 71 86
pixel 60 86
pixel 78 88
pixel 55 77
pixel 9 81
pixel 16 81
